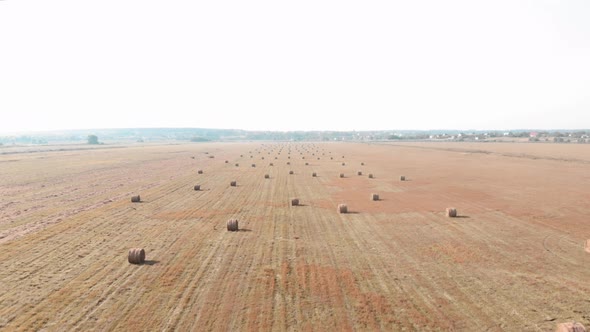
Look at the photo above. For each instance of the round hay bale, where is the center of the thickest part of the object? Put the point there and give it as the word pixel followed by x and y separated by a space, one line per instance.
pixel 362 164
pixel 232 225
pixel 306 164
pixel 318 158
pixel 233 183
pixel 197 187
pixel 341 175
pixel 271 164
pixel 136 256
pixel 314 174
pixel 253 165
pixel 570 327
pixel 288 163
pixel 290 172
pixel 294 201
pixel 331 158
pixel 241 155
pixel 135 199
pixel 237 164
pixel 266 176
pixel 370 175
pixel 200 171
pixel 302 157
pixel 451 212
pixel 374 197
pixel 227 161
pixel 343 164
pixel 402 178
pixel 262 158
pixel 359 173
pixel 342 208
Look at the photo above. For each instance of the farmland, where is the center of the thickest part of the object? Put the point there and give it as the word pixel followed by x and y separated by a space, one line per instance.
pixel 513 259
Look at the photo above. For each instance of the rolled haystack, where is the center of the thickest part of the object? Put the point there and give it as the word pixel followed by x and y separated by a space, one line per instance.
pixel 266 176
pixel 237 164
pixel 241 155
pixel 197 187
pixel 227 161
pixel 276 158
pixel 402 178
pixel 302 157
pixel 232 225
pixel 341 175
pixel 271 164
pixel 331 158
pixel 233 183
pixel 587 247
pixel 451 212
pixel 290 172
pixel 362 164
pixel 570 327
pixel 262 158
pixel 253 165
pixel 306 164
pixel 295 201
pixel 200 171
pixel 136 256
pixel 359 173
pixel 343 164
pixel 288 163
pixel 342 208
pixel 370 176
pixel 314 174
pixel 374 197
pixel 135 199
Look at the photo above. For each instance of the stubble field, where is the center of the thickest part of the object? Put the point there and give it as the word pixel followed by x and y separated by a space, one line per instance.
pixel 513 260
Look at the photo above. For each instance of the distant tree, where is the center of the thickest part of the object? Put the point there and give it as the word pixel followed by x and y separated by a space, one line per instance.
pixel 92 139
pixel 199 139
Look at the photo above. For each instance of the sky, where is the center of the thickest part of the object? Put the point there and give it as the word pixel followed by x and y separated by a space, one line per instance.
pixel 294 65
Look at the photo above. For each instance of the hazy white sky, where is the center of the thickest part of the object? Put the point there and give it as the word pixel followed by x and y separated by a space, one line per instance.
pixel 296 65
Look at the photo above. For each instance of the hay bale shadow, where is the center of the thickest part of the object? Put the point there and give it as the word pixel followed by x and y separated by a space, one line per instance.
pixel 244 230
pixel 150 262
pixel 462 217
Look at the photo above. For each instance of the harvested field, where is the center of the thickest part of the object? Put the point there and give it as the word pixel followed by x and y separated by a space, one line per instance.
pixel 513 259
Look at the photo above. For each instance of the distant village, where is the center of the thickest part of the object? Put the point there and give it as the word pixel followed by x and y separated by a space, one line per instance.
pixel 154 135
